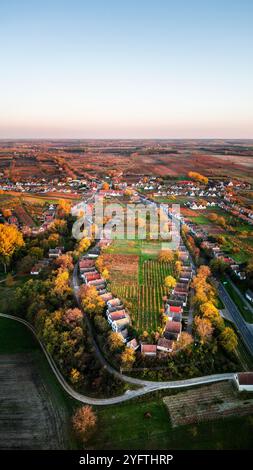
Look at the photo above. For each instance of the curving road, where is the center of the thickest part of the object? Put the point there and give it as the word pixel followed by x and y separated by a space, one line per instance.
pixel 148 387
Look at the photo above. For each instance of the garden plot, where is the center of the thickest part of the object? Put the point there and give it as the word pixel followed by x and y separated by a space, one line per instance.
pixel 207 403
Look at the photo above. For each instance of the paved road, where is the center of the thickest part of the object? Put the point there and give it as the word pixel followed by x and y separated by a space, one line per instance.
pixel 244 300
pixel 148 388
pixel 243 328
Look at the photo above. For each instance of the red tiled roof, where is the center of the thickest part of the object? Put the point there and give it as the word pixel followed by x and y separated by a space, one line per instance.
pixel 245 378
pixel 175 309
pixel 148 348
pixel 165 343
pixel 173 326
pixel 86 263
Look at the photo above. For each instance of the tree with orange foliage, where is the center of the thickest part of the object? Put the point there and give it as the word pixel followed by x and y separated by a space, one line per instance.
pixel 61 283
pixel 64 207
pixel 127 358
pixel 198 177
pixel 204 329
pixel 11 239
pixel 73 316
pixel 91 300
pixel 166 256
pixel 65 261
pixel 84 423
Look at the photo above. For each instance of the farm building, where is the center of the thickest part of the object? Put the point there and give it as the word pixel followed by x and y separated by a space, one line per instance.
pixel 244 381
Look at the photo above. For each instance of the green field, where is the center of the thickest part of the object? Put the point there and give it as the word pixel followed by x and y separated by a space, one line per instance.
pixel 126 427
pixel 135 247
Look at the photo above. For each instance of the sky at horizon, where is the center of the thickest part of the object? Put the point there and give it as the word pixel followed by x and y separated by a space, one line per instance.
pixel 126 69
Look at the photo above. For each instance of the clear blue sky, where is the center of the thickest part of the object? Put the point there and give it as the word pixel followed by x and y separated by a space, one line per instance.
pixel 126 68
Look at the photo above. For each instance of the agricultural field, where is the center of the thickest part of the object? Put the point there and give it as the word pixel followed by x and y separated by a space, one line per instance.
pixel 138 280
pixel 34 412
pixel 207 403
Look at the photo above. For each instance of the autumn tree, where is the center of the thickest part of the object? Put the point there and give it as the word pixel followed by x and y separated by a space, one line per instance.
pixel 178 267
pixel 204 329
pixel 10 241
pixel 61 283
pixel 211 313
pixel 228 339
pixel 91 300
pixel 166 256
pixel 218 266
pixel 84 423
pixel 75 377
pixel 198 177
pixel 36 252
pixel 65 261
pixel 83 245
pixel 170 282
pixel 64 207
pixel 184 341
pixel 127 358
pixel 53 240
pixel 72 316
pixel 115 341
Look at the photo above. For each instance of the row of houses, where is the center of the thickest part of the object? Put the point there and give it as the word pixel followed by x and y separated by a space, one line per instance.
pixel 177 301
pixel 240 212
pixel 216 252
pixel 116 313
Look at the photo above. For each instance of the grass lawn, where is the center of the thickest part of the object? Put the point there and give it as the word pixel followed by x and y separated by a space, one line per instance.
pixel 125 427
pixel 15 338
pixel 135 247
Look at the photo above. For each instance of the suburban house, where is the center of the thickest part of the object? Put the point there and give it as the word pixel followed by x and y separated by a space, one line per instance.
pixel 244 381
pixel 55 252
pixel 149 349
pixel 114 302
pixel 172 330
pixel 165 345
pixel 114 316
pixel 106 296
pixel 86 265
pixel 119 325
